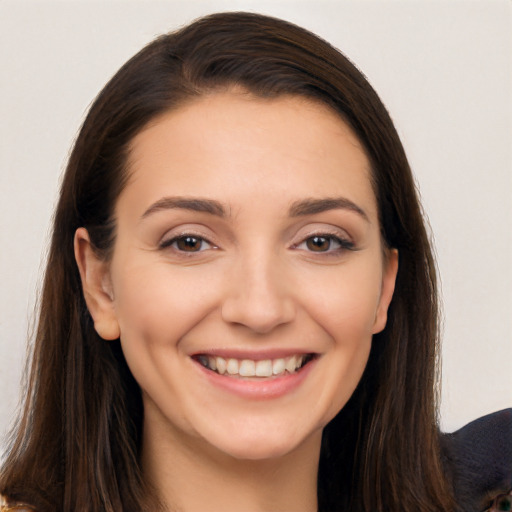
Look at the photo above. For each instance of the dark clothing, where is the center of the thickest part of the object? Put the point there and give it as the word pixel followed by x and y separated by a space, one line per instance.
pixel 478 459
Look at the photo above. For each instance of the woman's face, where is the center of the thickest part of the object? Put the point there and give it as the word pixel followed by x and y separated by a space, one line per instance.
pixel 248 274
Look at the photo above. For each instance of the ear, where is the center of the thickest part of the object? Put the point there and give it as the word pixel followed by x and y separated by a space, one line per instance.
pixel 387 289
pixel 97 286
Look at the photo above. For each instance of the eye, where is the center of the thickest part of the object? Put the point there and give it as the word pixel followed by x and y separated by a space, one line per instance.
pixel 187 243
pixel 320 243
pixel 325 243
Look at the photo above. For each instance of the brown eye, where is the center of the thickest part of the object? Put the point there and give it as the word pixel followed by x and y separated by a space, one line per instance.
pixel 327 244
pixel 319 243
pixel 189 243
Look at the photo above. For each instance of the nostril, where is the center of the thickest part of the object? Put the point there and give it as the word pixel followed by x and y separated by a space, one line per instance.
pixel 258 294
pixel 260 317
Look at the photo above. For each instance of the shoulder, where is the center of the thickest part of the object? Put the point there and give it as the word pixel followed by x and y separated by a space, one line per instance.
pixel 7 506
pixel 478 459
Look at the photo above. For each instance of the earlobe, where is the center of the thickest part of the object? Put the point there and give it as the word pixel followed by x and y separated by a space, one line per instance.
pixel 96 285
pixel 387 290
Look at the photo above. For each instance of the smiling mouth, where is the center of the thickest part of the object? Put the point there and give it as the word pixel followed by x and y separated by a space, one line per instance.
pixel 244 368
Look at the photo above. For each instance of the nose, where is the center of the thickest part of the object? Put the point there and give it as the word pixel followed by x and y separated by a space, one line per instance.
pixel 258 296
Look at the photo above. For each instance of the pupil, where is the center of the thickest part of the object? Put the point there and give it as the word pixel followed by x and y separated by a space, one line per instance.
pixel 318 243
pixel 189 243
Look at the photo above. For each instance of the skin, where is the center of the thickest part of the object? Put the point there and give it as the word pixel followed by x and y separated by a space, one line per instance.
pixel 253 280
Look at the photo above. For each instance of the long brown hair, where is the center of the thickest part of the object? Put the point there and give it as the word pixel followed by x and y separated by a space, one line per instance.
pixel 77 444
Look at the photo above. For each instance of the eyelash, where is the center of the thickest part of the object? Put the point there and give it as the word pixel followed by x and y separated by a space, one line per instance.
pixel 175 240
pixel 343 244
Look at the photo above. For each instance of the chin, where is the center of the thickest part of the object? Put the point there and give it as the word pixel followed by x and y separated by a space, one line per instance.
pixel 266 445
pixel 260 451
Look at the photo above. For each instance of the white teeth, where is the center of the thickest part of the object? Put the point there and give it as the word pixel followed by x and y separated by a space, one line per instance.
pixel 221 365
pixel 251 368
pixel 247 368
pixel 291 364
pixel 232 366
pixel 278 366
pixel 264 368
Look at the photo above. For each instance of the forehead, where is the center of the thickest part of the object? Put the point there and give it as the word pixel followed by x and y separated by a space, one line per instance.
pixel 282 146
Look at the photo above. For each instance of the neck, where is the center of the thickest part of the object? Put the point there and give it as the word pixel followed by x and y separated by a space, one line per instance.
pixel 195 476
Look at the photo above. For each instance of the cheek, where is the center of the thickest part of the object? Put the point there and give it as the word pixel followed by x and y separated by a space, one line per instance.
pixel 155 309
pixel 345 301
pixel 157 305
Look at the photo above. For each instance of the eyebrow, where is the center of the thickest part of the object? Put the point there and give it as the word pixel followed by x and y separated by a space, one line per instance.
pixel 299 208
pixel 195 204
pixel 312 206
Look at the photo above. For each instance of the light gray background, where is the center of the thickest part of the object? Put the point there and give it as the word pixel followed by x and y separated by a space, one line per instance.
pixel 443 68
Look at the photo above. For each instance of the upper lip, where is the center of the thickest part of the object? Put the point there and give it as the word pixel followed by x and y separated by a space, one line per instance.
pixel 255 355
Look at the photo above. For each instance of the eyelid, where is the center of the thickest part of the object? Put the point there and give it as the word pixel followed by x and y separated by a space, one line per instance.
pixel 342 244
pixel 344 240
pixel 327 230
pixel 173 235
pixel 171 241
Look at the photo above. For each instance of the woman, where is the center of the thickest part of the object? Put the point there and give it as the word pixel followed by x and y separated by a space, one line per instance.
pixel 240 305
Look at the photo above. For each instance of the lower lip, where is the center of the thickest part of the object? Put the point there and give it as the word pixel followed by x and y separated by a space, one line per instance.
pixel 262 389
